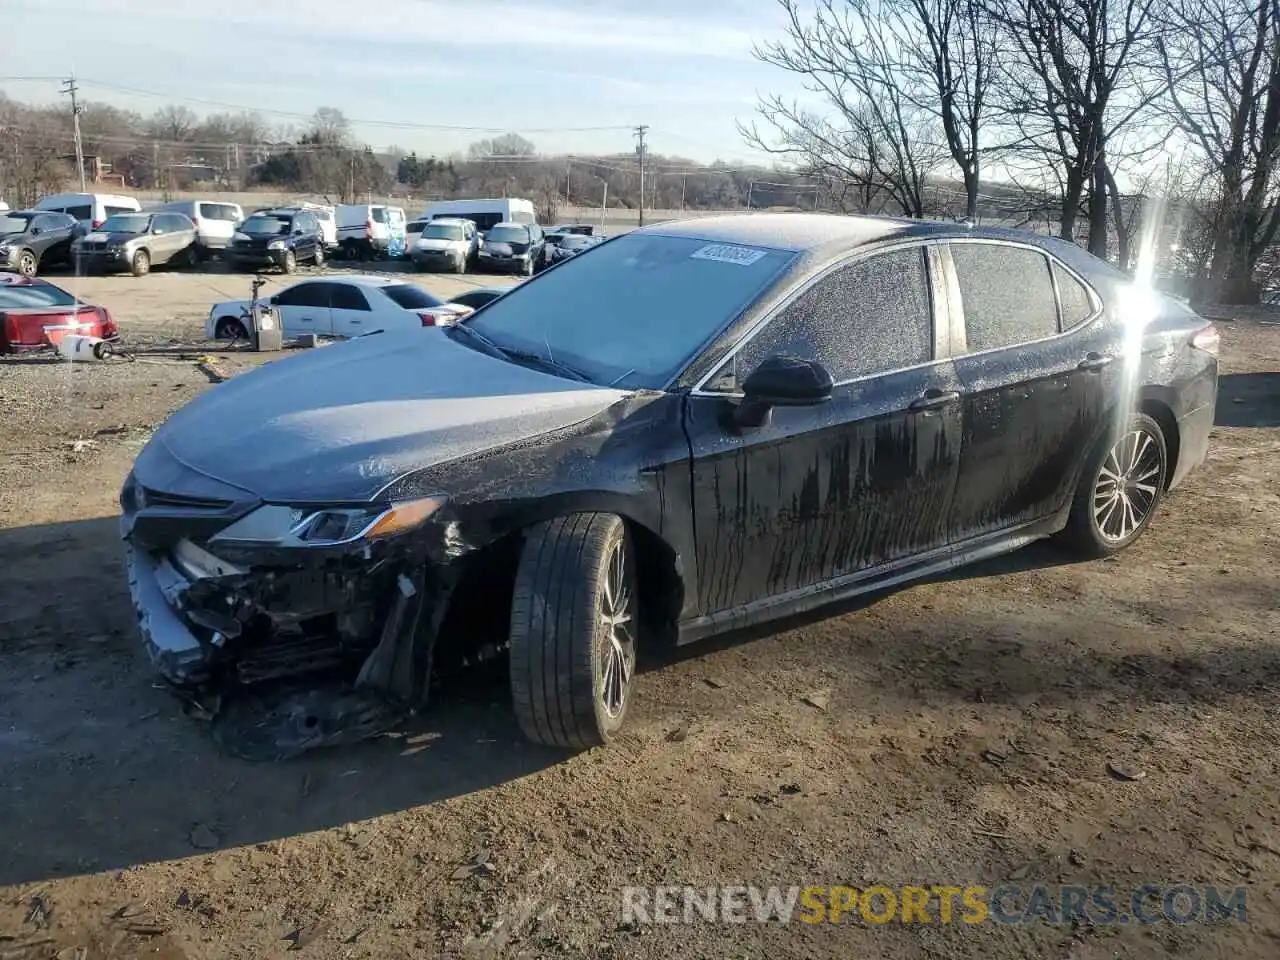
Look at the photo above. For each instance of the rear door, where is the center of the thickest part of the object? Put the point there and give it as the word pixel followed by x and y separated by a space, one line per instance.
pixel 819 494
pixel 53 237
pixel 350 310
pixel 304 308
pixel 1034 395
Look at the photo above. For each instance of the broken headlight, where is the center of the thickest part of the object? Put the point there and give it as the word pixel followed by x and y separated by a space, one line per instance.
pixel 279 525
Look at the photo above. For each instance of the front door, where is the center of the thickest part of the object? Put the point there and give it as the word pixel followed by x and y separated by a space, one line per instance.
pixel 304 308
pixel 824 492
pixel 1035 400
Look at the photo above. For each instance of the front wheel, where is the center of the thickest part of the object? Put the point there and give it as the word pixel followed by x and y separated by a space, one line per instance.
pixel 573 630
pixel 290 264
pixel 318 260
pixel 141 265
pixel 27 263
pixel 229 328
pixel 1120 489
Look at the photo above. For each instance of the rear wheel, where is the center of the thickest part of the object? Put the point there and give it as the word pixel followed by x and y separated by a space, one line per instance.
pixel 229 328
pixel 1119 490
pixel 28 263
pixel 141 265
pixel 573 630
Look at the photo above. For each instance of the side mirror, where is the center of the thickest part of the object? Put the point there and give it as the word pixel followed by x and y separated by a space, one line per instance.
pixel 782 381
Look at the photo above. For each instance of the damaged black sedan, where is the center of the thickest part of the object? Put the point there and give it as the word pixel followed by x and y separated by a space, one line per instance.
pixel 688 429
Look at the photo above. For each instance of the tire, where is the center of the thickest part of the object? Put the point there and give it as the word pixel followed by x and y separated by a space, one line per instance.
pixel 318 259
pixel 229 328
pixel 573 631
pixel 141 264
pixel 350 252
pixel 1140 454
pixel 194 256
pixel 527 269
pixel 28 263
pixel 290 264
pixel 460 265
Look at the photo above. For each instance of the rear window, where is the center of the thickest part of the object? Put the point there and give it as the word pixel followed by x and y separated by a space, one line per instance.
pixel 1077 305
pixel 1007 295
pixel 379 214
pixel 17 297
pixel 85 212
pixel 110 211
pixel 410 297
pixel 415 227
pixel 219 211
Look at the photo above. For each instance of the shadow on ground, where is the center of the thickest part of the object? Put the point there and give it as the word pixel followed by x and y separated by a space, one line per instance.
pixel 1248 400
pixel 102 768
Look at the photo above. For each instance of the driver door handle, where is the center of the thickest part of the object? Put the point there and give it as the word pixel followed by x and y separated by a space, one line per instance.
pixel 935 400
pixel 1094 361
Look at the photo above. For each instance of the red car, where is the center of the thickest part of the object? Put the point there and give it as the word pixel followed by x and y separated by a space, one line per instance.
pixel 35 314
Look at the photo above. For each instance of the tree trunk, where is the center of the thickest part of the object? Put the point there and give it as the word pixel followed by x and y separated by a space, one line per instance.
pixel 1124 245
pixel 1230 279
pixel 1098 209
pixel 971 193
pixel 1071 204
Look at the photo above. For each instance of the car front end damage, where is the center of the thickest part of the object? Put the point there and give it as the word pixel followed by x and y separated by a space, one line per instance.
pixel 290 626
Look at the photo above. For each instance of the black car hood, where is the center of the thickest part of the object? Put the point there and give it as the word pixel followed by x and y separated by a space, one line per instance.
pixel 339 423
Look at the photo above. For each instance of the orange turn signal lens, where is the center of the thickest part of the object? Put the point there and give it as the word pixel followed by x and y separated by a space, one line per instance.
pixel 404 516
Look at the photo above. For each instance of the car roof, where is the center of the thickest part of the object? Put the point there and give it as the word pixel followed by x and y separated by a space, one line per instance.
pixel 508 223
pixel 362 280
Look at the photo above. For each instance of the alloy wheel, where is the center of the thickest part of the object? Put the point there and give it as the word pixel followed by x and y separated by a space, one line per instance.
pixel 1128 485
pixel 27 264
pixel 618 645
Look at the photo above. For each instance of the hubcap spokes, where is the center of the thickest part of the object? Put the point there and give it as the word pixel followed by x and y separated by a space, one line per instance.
pixel 1127 484
pixel 618 653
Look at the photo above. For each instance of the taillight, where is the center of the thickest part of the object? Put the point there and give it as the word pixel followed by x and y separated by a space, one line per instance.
pixel 1207 339
pixel 428 319
pixel 109 328
pixel 98 223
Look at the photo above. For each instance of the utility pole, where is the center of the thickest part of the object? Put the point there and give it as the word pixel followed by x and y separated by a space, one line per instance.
pixel 568 169
pixel 69 87
pixel 641 130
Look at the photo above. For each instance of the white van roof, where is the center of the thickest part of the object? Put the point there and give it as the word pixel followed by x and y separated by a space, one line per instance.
pixel 113 198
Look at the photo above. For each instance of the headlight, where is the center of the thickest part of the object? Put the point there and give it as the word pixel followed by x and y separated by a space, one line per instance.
pixel 239 236
pixel 276 245
pixel 4 250
pixel 284 526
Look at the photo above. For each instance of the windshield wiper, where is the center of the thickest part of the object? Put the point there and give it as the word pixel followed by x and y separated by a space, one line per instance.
pixel 558 366
pixel 521 356
pixel 488 345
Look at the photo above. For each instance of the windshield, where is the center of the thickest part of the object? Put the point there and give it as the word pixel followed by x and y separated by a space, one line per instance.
pixel 10 223
pixel 264 226
pixel 637 310
pixel 127 223
pixel 443 231
pixel 508 235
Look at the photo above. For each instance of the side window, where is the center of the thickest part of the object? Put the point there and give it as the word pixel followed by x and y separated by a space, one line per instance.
pixel 344 296
pixel 1073 298
pixel 45 223
pixel 870 317
pixel 305 295
pixel 86 212
pixel 1007 294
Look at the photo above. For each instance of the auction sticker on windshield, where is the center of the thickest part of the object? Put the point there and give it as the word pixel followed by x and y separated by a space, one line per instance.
pixel 725 253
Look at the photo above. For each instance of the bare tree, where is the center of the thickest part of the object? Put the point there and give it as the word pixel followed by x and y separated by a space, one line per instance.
pixel 1078 72
pixel 1222 63
pixel 877 138
pixel 173 123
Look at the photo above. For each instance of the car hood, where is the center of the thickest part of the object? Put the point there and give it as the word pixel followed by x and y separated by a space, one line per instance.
pixel 435 243
pixel 339 423
pixel 98 236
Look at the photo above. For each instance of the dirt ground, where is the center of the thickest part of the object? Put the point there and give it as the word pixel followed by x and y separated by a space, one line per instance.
pixel 955 732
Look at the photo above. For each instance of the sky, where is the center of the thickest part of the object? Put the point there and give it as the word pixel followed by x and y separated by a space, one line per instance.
pixel 572 75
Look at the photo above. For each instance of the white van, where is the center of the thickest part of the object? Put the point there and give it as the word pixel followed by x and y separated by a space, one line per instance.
pixel 215 221
pixel 485 214
pixel 363 230
pixel 91 209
